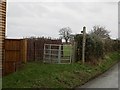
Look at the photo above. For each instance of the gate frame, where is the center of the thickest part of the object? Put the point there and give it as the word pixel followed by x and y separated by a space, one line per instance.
pixel 58 54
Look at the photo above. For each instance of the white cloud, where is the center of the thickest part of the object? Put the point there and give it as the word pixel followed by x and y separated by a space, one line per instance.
pixel 62 0
pixel 46 18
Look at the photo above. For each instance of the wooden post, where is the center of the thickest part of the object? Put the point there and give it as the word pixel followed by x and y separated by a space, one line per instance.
pixel 71 53
pixel 74 52
pixel 83 47
pixel 59 54
pixel 50 54
pixel 24 50
pixel 44 54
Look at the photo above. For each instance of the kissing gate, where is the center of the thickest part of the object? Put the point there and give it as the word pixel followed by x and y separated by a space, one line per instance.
pixel 57 53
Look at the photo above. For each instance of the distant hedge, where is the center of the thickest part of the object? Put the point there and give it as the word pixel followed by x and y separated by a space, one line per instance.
pixel 95 48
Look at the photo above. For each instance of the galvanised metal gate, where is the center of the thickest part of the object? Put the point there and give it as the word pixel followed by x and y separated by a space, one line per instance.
pixel 54 53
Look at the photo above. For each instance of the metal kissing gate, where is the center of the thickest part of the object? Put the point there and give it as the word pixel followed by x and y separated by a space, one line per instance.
pixel 55 53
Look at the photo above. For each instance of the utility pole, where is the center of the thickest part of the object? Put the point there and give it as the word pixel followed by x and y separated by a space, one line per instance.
pixel 83 45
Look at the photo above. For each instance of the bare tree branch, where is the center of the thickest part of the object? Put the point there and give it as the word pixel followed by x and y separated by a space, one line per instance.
pixel 100 32
pixel 65 33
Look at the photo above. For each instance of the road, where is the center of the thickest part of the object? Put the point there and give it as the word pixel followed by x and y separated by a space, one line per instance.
pixel 107 80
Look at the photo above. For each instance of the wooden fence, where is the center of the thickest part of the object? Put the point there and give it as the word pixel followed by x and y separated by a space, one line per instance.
pixel 2 31
pixel 23 50
pixel 35 47
pixel 15 54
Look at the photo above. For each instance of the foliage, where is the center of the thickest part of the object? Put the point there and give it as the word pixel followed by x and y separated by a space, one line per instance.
pixel 37 75
pixel 100 31
pixel 67 49
pixel 116 45
pixel 93 48
pixel 98 43
pixel 65 33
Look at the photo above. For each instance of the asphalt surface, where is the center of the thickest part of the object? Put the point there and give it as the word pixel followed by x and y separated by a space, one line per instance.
pixel 107 80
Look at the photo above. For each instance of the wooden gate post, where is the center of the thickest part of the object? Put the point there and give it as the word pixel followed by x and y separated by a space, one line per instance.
pixel 74 48
pixel 83 47
pixel 59 54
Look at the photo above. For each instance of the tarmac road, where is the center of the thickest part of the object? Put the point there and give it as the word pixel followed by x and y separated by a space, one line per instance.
pixel 107 80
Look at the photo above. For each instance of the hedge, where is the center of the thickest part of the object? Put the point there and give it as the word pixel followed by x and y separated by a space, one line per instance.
pixel 95 48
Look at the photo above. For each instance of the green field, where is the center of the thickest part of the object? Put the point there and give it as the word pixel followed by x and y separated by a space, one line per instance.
pixel 67 50
pixel 37 75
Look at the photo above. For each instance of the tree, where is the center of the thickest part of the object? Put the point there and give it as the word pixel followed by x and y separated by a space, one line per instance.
pixel 65 33
pixel 100 31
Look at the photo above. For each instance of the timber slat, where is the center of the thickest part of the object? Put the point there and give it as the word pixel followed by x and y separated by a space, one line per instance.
pixel 2 29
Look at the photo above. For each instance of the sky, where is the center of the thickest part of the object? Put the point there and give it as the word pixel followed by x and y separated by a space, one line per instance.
pixel 27 18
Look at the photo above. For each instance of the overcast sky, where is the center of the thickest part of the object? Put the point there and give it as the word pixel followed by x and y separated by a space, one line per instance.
pixel 41 18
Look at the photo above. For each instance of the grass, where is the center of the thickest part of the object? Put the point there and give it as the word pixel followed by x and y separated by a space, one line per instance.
pixel 37 75
pixel 67 50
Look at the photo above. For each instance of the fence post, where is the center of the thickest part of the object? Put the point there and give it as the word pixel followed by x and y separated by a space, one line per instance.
pixel 71 53
pixel 83 47
pixel 25 50
pixel 59 54
pixel 44 54
pixel 74 48
pixel 50 54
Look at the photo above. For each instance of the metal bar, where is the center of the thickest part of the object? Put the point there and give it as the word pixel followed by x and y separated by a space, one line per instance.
pixel 59 54
pixel 53 44
pixel 56 50
pixel 65 59
pixel 52 49
pixel 50 54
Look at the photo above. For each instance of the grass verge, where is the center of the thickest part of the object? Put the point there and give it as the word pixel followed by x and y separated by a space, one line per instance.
pixel 37 75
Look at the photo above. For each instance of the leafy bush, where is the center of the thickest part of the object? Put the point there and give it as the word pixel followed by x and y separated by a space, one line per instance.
pixel 116 45
pixel 108 45
pixel 93 49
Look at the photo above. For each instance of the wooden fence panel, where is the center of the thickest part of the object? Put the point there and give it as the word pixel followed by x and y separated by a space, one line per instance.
pixel 12 55
pixel 35 47
pixel 2 31
pixel 9 67
pixel 12 50
pixel 15 54
pixel 24 50
pixel 30 50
